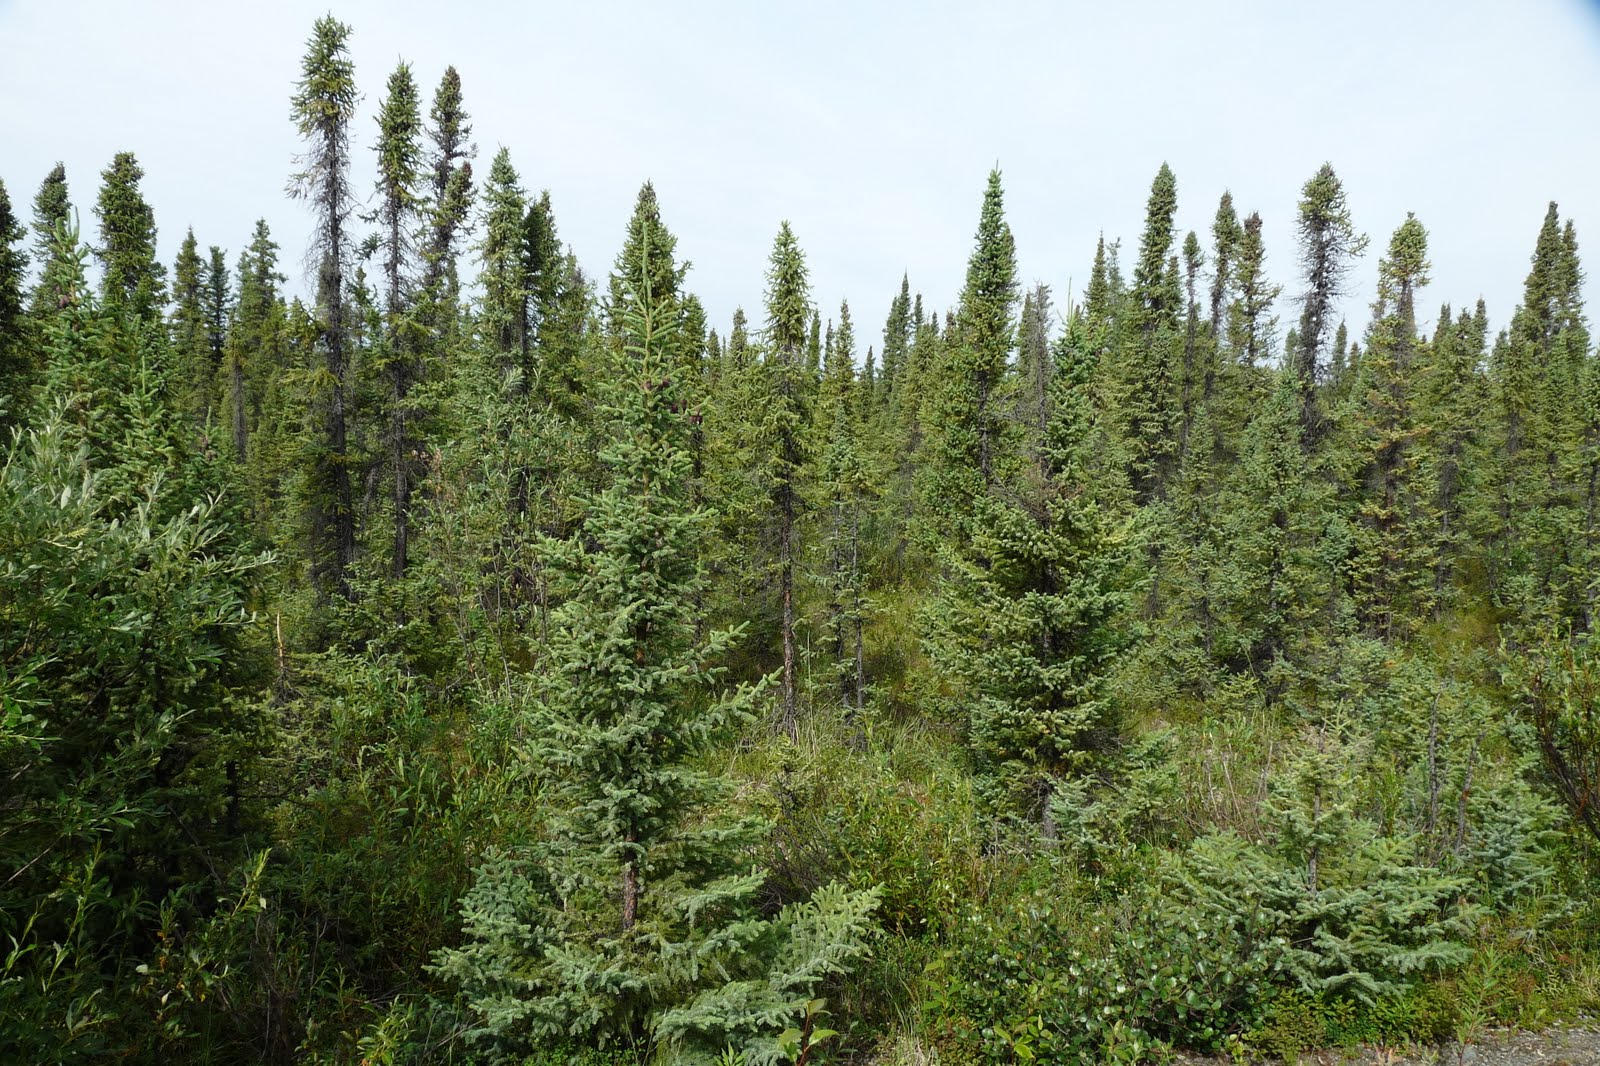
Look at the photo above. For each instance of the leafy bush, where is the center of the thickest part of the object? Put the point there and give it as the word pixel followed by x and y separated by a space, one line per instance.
pixel 1295 1021
pixel 1051 981
pixel 897 815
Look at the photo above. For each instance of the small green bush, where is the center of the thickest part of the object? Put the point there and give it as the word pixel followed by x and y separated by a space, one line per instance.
pixel 1050 981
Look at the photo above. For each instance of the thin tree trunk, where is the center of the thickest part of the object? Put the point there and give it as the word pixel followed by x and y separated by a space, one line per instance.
pixel 240 431
pixel 861 651
pixel 401 461
pixel 791 719
pixel 630 891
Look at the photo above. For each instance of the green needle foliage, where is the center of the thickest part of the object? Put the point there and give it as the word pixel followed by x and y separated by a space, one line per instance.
pixel 1027 625
pixel 132 279
pixel 637 926
pixel 15 371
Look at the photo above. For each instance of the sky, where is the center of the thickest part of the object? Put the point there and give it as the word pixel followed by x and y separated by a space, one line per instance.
pixel 869 126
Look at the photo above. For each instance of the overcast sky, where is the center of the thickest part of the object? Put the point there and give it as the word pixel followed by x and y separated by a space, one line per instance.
pixel 869 126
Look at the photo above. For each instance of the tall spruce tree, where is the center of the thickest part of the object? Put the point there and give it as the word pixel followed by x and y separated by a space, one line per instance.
pixel 450 204
pixel 783 425
pixel 1034 369
pixel 132 278
pixel 323 107
pixel 546 264
pixel 648 238
pixel 1150 361
pixel 1198 369
pixel 972 367
pixel 1251 329
pixel 897 330
pixel 1275 517
pixel 1394 560
pixel 254 351
pixel 503 276
pixel 1537 374
pixel 894 445
pixel 1103 293
pixel 1453 397
pixel 844 489
pixel 52 210
pixel 190 348
pixel 1328 243
pixel 400 162
pixel 1225 237
pixel 16 359
pixel 216 299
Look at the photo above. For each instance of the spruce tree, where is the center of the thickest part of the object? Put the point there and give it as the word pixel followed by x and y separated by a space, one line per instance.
pixel 972 369
pixel 1535 506
pixel 504 272
pixel 1453 398
pixel 400 162
pixel 533 315
pixel 52 210
pixel 896 337
pixel 783 426
pixel 1275 516
pixel 814 349
pixel 1033 361
pixel 1198 369
pixel 894 445
pixel 845 490
pixel 1104 292
pixel 254 351
pixel 739 339
pixel 324 106
pixel 443 198
pixel 566 342
pixel 16 360
pixel 637 926
pixel 1328 243
pixel 190 347
pixel 1394 561
pixel 450 203
pixel 217 303
pixel 648 238
pixel 1225 237
pixel 1027 623
pixel 549 293
pixel 1149 364
pixel 1251 329
pixel 132 278
pixel 542 248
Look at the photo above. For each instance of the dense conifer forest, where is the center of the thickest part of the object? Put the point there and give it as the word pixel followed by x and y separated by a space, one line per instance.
pixel 489 658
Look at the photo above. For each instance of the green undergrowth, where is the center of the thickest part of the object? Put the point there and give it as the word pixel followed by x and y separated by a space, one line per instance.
pixel 1165 905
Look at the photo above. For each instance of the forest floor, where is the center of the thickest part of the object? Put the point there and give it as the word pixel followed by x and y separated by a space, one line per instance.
pixel 1557 1047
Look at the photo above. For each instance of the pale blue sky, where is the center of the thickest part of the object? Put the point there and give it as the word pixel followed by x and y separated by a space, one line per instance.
pixel 870 126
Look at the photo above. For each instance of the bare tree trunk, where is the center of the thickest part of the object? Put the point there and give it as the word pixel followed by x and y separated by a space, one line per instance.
pixel 343 519
pixel 402 479
pixel 630 891
pixel 237 398
pixel 861 651
pixel 791 713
